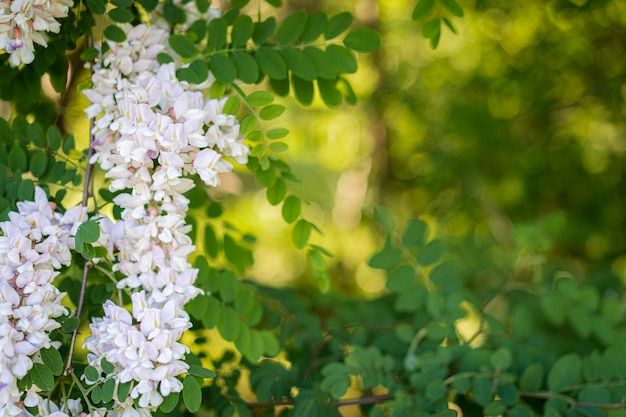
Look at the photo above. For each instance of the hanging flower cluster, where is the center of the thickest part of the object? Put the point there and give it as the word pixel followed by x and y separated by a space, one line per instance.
pixel 151 132
pixel 24 22
pixel 35 243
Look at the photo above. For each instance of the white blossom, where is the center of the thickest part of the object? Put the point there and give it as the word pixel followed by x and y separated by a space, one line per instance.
pixel 34 244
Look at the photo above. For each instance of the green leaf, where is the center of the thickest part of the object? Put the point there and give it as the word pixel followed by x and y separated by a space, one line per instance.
pixel 107 367
pixel 182 46
pixel 422 9
pixel 323 66
pixel 449 25
pixel 89 231
pixel 163 58
pixel 277 133
pixel 501 359
pixel 96 394
pixel 553 309
pixel 42 377
pixel 291 28
pixel 68 144
pixel 260 98
pixel 170 402
pixel 415 232
pixel 277 192
pixel 114 33
pixel 315 25
pixel 271 112
pixel 149 5
pixel 108 390
pixel 263 30
pixel 453 7
pixel 54 138
pixel 412 299
pixel 123 390
pixel 435 390
pixel 342 58
pixel 280 87
pixel 35 135
pixel 336 384
pixel 431 253
pixel 217 34
pixel 387 258
pixel 303 89
pixel 494 408
pixel 199 371
pixel 299 63
pixel 38 163
pixel 121 15
pixel 223 69
pixel 271 63
pixel 26 190
pixel 196 73
pixel 244 301
pixel 338 24
pixel 232 105
pixel 363 40
pixel 229 324
pixel 96 6
pixel 247 67
pixel 122 3
pixel 521 410
pixel 213 314
pixel 192 394
pixel 197 307
pixel 401 279
pixel 199 29
pixel 278 147
pixel 329 92
pixel 70 324
pixel 301 233
pixel 291 209
pixel 88 54
pixel 564 372
pixel 483 390
pixel 53 361
pixel 242 31
pixel 270 343
pixel 17 159
pixel 432 31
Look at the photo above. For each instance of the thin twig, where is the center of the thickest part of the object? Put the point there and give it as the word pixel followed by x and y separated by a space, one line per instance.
pixel 571 401
pixel 375 399
pixel 87 264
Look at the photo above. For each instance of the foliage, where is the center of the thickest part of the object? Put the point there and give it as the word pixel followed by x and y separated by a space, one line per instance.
pixel 430 343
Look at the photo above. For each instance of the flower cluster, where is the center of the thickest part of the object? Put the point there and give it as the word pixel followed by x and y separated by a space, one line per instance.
pixel 35 243
pixel 23 23
pixel 151 132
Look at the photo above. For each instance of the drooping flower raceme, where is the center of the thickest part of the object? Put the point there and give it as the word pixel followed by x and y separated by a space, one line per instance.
pixel 24 23
pixel 152 132
pixel 34 244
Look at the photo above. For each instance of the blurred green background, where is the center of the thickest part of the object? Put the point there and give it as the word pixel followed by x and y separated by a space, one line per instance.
pixel 509 139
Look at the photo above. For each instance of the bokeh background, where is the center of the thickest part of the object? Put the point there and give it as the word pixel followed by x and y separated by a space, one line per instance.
pixel 509 139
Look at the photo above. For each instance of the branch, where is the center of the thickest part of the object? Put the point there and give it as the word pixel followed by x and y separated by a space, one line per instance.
pixel 375 399
pixel 570 401
pixel 87 264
